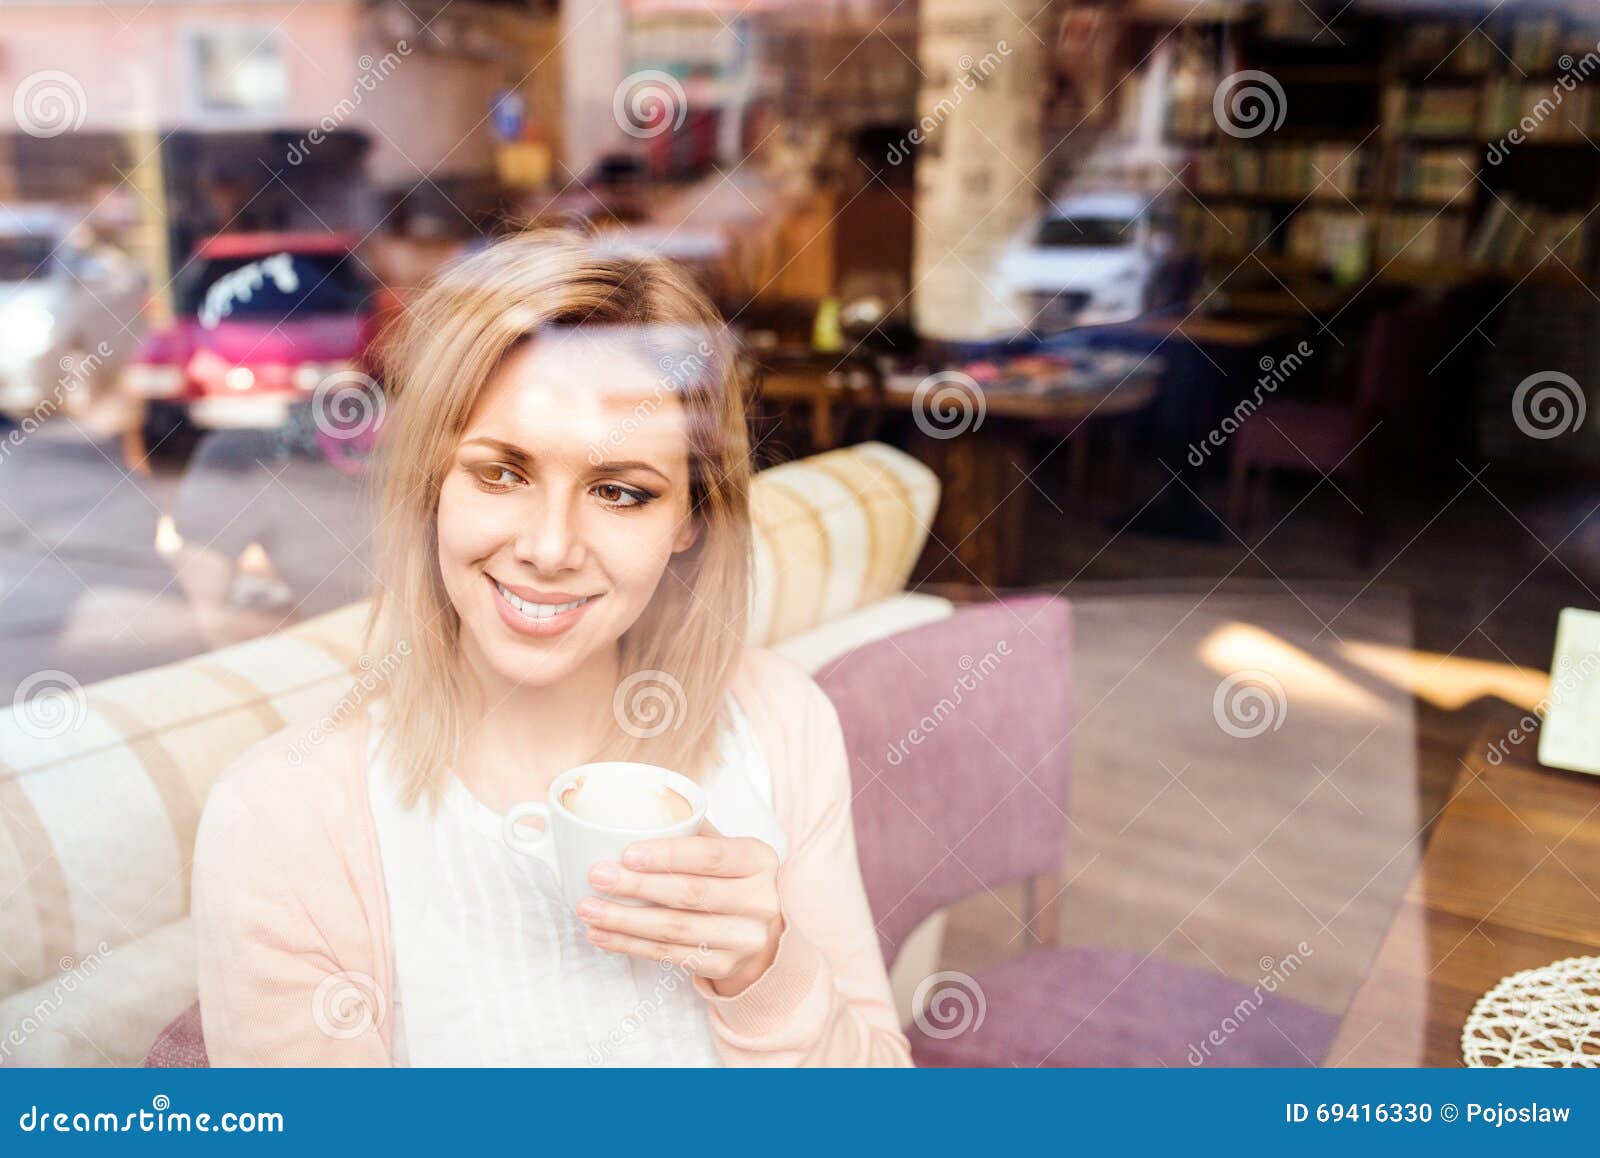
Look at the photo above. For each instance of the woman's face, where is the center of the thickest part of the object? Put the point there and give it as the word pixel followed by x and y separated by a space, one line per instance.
pixel 567 495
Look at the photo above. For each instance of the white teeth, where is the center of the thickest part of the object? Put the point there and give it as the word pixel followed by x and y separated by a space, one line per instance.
pixel 538 610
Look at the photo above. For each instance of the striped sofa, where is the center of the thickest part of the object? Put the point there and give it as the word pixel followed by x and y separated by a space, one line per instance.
pixel 97 820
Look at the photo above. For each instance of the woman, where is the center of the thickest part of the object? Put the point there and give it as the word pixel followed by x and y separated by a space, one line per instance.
pixel 562 576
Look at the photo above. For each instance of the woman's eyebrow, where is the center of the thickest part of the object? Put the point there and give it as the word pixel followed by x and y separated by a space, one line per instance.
pixel 515 453
pixel 509 450
pixel 630 464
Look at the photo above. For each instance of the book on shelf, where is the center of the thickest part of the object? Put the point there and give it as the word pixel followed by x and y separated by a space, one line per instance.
pixel 1442 175
pixel 1445 45
pixel 1438 111
pixel 1533 42
pixel 1514 235
pixel 1292 23
pixel 1581 38
pixel 1561 234
pixel 1539 45
pixel 1502 107
pixel 1191 119
pixel 1422 237
pixel 1221 231
pixel 1322 170
pixel 1540 109
pixel 1334 239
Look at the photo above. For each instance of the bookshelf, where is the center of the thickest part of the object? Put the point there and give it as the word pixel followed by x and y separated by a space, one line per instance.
pixel 1395 158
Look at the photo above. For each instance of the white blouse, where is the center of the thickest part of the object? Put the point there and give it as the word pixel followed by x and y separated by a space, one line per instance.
pixel 491 966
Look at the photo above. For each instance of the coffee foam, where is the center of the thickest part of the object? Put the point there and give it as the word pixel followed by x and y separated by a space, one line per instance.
pixel 618 799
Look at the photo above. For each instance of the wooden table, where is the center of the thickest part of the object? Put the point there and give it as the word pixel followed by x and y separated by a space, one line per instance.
pixel 1217 331
pixel 1510 881
pixel 979 534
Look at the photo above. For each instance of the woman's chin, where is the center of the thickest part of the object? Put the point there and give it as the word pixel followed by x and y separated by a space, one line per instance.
pixel 531 662
pixel 531 671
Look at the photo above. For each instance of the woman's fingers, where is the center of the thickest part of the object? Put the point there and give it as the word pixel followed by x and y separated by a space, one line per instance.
pixel 740 898
pixel 674 926
pixel 713 856
pixel 701 960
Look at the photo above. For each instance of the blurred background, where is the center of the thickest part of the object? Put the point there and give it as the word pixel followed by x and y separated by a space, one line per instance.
pixel 1264 331
pixel 1120 229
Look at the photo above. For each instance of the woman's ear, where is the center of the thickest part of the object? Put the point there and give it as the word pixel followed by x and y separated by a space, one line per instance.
pixel 688 534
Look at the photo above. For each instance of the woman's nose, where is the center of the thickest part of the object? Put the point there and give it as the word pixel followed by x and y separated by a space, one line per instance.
pixel 550 539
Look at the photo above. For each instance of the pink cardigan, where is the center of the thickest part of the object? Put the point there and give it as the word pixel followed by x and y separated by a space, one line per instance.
pixel 291 916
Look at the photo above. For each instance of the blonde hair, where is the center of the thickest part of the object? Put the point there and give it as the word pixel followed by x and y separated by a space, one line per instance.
pixel 678 658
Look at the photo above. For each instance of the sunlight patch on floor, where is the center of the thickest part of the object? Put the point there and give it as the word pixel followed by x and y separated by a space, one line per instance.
pixel 1235 647
pixel 1448 681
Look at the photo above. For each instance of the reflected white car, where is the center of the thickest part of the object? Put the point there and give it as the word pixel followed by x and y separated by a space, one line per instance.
pixel 69 312
pixel 1092 259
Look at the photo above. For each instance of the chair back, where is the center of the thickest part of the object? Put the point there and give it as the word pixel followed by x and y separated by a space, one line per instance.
pixel 1400 345
pixel 959 734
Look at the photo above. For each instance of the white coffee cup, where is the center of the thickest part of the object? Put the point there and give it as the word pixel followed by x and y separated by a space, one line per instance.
pixel 580 843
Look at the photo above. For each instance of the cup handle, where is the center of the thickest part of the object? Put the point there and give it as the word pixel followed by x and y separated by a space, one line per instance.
pixel 516 837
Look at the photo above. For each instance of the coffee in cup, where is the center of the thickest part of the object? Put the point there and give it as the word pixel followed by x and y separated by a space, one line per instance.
pixel 594 811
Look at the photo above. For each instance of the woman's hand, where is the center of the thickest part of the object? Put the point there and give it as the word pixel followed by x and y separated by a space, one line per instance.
pixel 713 906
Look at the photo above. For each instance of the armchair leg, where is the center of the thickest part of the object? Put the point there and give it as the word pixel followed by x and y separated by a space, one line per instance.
pixel 1369 530
pixel 1261 499
pixel 1238 489
pixel 1041 907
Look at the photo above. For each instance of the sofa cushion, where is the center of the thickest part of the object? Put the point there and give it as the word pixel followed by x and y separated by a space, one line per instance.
pixel 835 532
pixel 105 1007
pixel 97 824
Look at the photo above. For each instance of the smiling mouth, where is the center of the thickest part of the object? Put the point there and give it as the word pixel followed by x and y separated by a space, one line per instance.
pixel 530 610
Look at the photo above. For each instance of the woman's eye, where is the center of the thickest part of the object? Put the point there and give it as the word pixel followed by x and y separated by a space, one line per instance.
pixel 614 495
pixel 498 476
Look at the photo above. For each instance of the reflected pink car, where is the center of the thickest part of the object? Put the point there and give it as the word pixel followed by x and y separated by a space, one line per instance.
pixel 264 321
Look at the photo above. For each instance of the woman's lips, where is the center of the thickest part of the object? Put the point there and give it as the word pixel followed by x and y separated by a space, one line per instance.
pixel 542 627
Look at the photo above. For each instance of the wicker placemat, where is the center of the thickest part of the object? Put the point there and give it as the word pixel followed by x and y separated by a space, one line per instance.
pixel 1549 1016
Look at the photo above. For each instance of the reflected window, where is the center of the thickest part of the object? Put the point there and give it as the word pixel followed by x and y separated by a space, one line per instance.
pixel 238 71
pixel 1085 232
